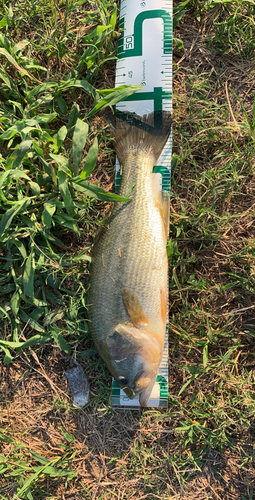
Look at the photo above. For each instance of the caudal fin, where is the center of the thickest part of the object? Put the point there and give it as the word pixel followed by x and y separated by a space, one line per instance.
pixel 147 133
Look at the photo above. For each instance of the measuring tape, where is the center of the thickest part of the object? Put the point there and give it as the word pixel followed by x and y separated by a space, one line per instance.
pixel 145 57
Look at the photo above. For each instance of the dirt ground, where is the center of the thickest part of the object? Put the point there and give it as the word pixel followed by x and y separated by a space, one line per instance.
pixel 36 410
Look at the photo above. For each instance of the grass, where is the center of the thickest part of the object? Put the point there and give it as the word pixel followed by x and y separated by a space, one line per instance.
pixel 57 64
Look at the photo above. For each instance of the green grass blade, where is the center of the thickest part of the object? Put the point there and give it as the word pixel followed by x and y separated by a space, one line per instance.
pixel 11 213
pixel 28 277
pixel 114 96
pixel 97 192
pixel 91 160
pixel 47 214
pixel 59 138
pixel 8 357
pixel 64 190
pixel 27 319
pixel 59 339
pixel 17 156
pixel 15 303
pixel 10 174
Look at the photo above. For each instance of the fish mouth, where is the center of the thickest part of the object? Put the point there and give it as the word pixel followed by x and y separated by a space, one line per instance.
pixel 145 394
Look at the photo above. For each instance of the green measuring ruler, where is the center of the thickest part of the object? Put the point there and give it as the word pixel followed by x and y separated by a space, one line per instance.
pixel 145 57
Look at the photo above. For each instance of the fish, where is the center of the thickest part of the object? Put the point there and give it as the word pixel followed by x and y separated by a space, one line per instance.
pixel 129 270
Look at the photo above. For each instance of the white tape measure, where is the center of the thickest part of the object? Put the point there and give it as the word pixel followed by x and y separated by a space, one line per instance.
pixel 145 57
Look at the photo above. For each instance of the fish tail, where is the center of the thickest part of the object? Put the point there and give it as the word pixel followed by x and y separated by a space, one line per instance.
pixel 147 134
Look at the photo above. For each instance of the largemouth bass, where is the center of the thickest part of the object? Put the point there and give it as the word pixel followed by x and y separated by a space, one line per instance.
pixel 129 271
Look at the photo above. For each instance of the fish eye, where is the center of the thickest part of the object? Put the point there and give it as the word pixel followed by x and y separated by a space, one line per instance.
pixel 123 380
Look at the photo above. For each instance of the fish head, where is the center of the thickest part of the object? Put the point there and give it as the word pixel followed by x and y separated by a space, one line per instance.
pixel 133 356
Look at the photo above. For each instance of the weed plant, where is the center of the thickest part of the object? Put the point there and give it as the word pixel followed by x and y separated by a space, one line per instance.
pixel 44 179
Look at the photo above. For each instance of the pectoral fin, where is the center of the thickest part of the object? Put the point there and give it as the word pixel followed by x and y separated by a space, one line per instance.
pixel 134 308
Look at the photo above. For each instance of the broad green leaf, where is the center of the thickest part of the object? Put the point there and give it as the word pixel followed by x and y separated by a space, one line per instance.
pixel 59 138
pixel 115 96
pixel 13 345
pixel 64 190
pixel 28 276
pixel 82 257
pixel 178 42
pixel 18 154
pixel 46 117
pixel 178 16
pixel 4 21
pixel 29 494
pixel 20 246
pixel 36 339
pixel 70 224
pixel 113 19
pixel 62 162
pixel 10 214
pixel 20 46
pixel 97 192
pixel 35 188
pixel 8 134
pixel 91 160
pixel 15 303
pixel 39 458
pixel 49 210
pixel 73 116
pixel 37 149
pixel 8 357
pixel 79 141
pixel 27 319
pixel 95 34
pixel 62 104
pixel 10 174
pixel 41 101
pixel 10 287
pixel 84 84
pixel 41 88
